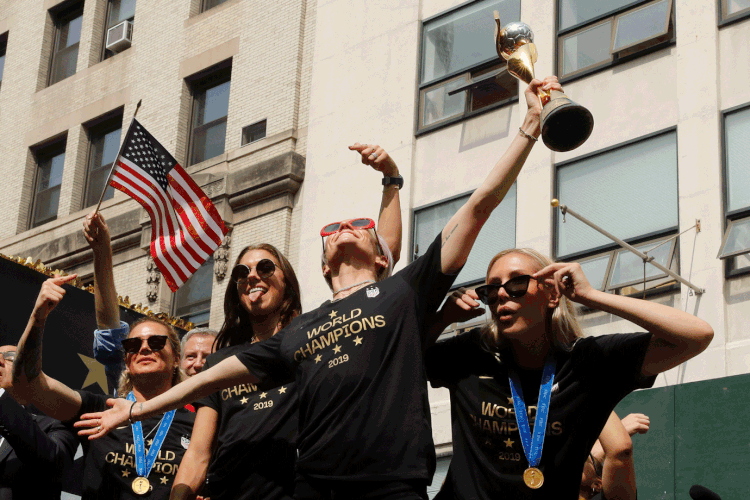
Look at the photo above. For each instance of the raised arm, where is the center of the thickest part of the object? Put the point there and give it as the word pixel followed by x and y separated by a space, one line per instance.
pixel 618 473
pixel 229 372
pixel 389 219
pixel 676 335
pixel 462 229
pixel 194 465
pixel 51 396
pixel 96 232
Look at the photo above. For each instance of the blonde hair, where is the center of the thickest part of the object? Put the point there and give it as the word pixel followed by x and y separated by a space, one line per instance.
pixel 562 325
pixel 126 382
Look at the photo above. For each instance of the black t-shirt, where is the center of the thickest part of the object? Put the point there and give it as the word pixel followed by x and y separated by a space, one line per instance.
pixel 359 367
pixel 109 463
pixel 256 438
pixel 488 457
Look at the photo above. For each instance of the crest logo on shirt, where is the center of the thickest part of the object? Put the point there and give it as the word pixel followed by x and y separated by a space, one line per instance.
pixel 185 442
pixel 372 292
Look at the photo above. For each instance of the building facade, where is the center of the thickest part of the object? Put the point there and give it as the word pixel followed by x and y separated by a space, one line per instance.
pixel 236 90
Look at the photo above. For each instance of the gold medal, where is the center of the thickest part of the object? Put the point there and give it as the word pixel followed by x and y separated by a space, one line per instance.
pixel 141 485
pixel 533 478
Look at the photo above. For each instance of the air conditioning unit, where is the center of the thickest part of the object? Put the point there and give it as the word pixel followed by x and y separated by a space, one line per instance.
pixel 120 36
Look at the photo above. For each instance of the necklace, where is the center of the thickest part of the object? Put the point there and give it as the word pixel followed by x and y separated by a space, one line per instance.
pixel 336 292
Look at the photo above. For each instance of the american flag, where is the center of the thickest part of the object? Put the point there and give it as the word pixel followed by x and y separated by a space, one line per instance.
pixel 185 226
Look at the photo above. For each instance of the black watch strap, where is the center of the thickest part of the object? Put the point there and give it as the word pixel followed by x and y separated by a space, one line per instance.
pixel 397 181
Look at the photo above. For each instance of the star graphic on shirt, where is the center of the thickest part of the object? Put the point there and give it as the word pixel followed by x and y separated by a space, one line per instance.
pixel 488 443
pixel 509 443
pixel 357 340
pixel 243 401
pixel 337 349
pixel 282 390
pixel 262 395
pixel 318 358
pixel 333 314
pixel 125 473
pixel 150 442
pixel 163 480
pixel 510 400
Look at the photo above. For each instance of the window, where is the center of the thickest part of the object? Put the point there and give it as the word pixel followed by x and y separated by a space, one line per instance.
pixel 117 12
pixel 105 144
pixel 631 192
pixel 3 47
pixel 498 233
pixel 594 34
pixel 735 245
pixel 461 74
pixel 50 162
pixel 210 4
pixel 254 132
pixel 210 109
pixel 67 38
pixel 441 471
pixel 733 10
pixel 192 301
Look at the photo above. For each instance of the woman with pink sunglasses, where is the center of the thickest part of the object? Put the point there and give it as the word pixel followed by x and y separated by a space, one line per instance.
pixel 364 428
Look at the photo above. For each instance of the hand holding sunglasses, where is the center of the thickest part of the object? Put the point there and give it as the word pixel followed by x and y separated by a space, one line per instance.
pixel 264 269
pixel 567 278
pixel 133 344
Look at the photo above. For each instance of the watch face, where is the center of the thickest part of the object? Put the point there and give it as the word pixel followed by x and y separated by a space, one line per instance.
pixel 395 181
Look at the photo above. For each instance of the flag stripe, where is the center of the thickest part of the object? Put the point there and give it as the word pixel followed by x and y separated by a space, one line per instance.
pixel 205 210
pixel 190 206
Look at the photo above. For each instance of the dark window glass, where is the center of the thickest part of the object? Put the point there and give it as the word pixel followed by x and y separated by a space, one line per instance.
pixel 104 148
pixel 254 132
pixel 192 302
pixel 210 4
pixel 210 121
pixel 65 53
pixel 47 192
pixel 121 10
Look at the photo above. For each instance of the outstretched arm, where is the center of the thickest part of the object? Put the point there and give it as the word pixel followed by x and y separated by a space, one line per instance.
pixel 229 372
pixel 676 335
pixel 389 220
pixel 462 230
pixel 618 473
pixel 51 396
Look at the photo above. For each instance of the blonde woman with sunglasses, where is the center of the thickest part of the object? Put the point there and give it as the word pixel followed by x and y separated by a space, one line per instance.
pixel 358 359
pixel 529 394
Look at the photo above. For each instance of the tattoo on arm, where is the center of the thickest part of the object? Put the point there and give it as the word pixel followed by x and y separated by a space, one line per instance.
pixel 449 235
pixel 29 356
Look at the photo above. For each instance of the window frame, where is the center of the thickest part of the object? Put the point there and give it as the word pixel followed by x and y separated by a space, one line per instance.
pixel 264 121
pixel 199 83
pixel 480 66
pixel 106 54
pixel 612 248
pixel 98 128
pixel 60 17
pixel 175 306
pixel 732 18
pixel 206 9
pixel 3 54
pixel 739 213
pixel 615 59
pixel 43 153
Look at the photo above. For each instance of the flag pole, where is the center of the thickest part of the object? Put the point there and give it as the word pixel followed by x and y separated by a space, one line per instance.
pixel 114 163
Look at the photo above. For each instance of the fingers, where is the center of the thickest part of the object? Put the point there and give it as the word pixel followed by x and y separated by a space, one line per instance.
pixel 61 280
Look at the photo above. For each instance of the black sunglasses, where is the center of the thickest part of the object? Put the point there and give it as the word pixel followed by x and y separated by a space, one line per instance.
pixel 155 343
pixel 515 287
pixel 265 269
pixel 9 355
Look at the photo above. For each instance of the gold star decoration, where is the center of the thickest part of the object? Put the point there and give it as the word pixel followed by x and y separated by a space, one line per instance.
pixel 337 349
pixel 96 374
pixel 318 358
pixel 125 473
pixel 163 480
pixel 150 442
pixel 510 400
pixel 282 389
pixel 357 340
pixel 509 443
pixel 333 314
pixel 262 395
pixel 243 401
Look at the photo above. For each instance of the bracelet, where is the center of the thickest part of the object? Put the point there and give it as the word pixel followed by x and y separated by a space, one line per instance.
pixel 528 136
pixel 130 413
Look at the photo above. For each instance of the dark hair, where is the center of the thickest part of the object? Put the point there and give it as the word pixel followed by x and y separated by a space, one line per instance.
pixel 238 324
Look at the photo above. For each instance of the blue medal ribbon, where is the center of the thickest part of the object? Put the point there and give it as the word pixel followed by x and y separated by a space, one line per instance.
pixel 532 447
pixel 144 463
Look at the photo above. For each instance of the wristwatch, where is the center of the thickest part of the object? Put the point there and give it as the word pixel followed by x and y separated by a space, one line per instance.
pixel 397 181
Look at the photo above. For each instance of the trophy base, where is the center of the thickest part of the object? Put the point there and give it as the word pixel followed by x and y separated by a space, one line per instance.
pixel 565 124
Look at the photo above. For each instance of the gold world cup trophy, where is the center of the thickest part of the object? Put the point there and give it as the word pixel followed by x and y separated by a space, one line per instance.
pixel 565 124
